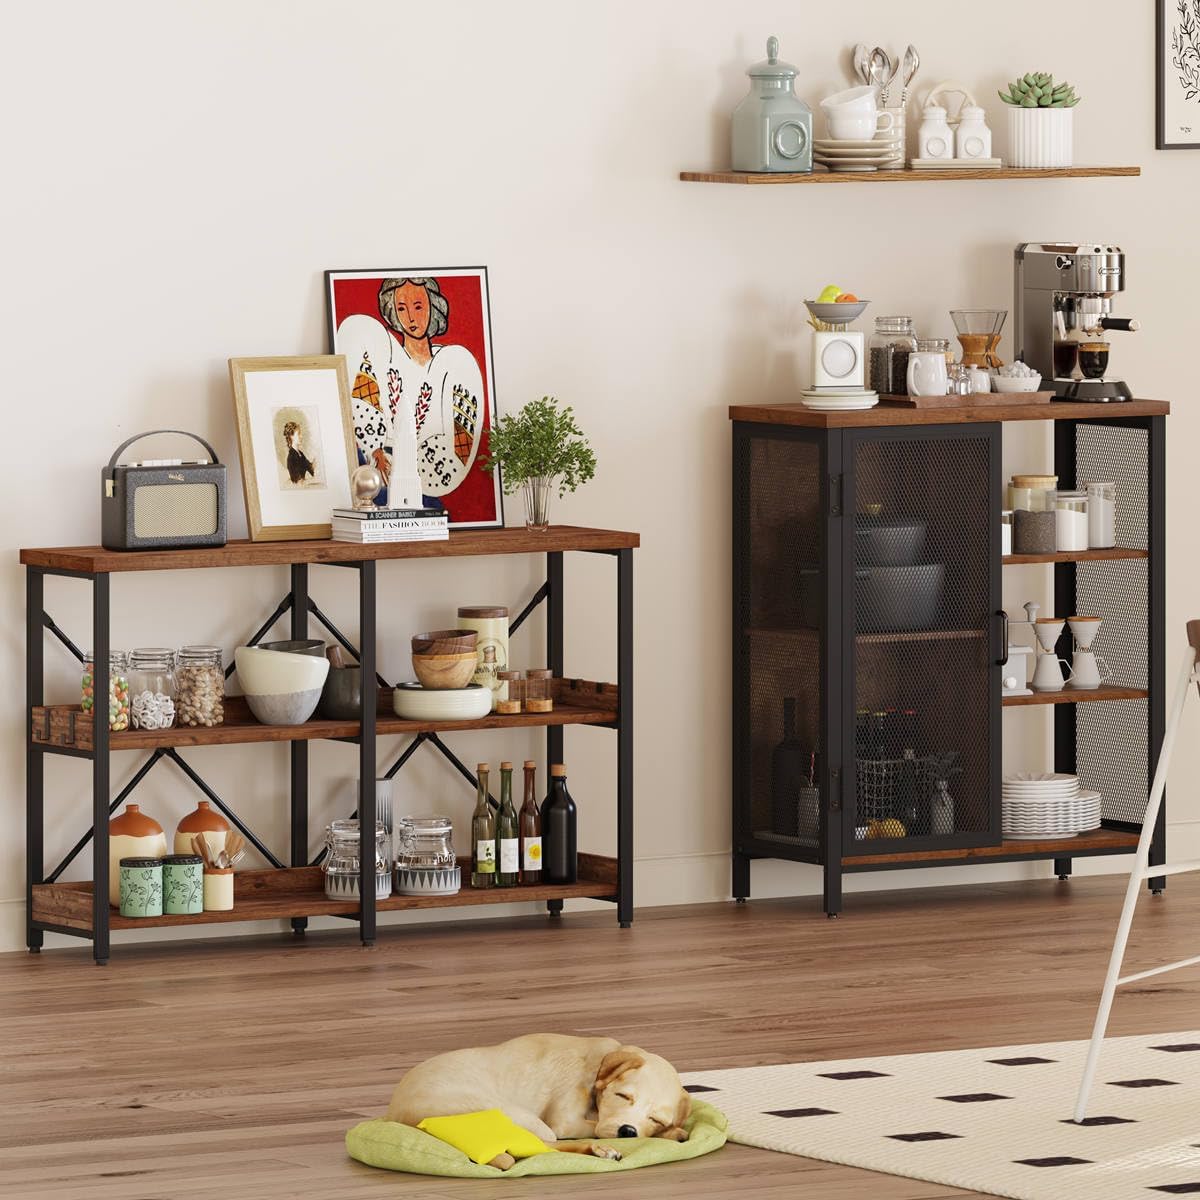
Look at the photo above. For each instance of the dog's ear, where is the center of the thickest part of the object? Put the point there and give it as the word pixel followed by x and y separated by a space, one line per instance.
pixel 622 1059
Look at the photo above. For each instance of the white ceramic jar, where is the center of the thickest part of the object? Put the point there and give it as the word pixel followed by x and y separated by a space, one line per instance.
pixel 490 622
pixel 935 138
pixel 972 138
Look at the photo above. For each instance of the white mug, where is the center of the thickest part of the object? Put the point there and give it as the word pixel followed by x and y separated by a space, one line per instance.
pixel 860 125
pixel 1088 670
pixel 926 373
pixel 860 99
pixel 1046 675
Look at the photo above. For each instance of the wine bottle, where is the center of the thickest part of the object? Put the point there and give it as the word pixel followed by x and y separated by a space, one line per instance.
pixel 508 861
pixel 483 835
pixel 529 820
pixel 559 834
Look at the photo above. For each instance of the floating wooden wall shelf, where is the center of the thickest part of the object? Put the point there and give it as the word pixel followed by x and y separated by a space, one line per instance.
pixel 753 178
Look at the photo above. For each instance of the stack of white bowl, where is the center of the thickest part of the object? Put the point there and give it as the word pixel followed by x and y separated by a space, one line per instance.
pixel 1038 807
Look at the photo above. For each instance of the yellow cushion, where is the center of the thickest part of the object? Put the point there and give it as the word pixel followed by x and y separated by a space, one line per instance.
pixel 483 1135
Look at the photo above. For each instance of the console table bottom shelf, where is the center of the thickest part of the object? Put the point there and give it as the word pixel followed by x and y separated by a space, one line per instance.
pixel 299 892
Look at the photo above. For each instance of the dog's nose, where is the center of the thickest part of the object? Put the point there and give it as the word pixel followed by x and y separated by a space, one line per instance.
pixel 627 1131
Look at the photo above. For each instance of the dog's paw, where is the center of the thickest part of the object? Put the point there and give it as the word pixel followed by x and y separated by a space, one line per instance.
pixel 609 1152
pixel 503 1161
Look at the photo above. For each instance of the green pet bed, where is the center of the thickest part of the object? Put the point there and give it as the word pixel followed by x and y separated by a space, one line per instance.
pixel 396 1147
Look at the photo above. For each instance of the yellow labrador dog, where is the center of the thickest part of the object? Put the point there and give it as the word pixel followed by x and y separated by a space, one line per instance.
pixel 559 1088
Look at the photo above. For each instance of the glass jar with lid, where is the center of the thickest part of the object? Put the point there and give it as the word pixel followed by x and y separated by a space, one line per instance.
pixel 1071 520
pixel 513 685
pixel 1032 493
pixel 200 686
pixel 942 344
pixel 426 864
pixel 887 353
pixel 118 689
pixel 1102 514
pixel 539 690
pixel 341 864
pixel 152 688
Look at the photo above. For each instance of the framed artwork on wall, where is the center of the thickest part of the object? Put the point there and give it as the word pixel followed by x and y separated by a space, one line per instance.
pixel 418 346
pixel 296 441
pixel 1177 31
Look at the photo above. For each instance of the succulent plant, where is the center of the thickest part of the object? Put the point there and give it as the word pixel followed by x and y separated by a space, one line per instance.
pixel 1038 90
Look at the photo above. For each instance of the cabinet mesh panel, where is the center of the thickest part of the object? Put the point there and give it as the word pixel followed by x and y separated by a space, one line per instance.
pixel 781 612
pixel 921 647
pixel 1111 738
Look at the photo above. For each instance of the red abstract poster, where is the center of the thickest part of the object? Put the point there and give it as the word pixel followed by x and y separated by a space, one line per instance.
pixel 418 349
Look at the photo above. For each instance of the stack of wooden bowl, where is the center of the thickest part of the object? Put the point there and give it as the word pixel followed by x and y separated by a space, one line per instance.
pixel 444 662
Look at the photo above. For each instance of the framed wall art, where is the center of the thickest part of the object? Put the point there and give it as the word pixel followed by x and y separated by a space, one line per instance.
pixel 1177 31
pixel 296 441
pixel 418 346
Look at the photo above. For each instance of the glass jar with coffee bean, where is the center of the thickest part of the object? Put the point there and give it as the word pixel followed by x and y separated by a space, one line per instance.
pixel 887 354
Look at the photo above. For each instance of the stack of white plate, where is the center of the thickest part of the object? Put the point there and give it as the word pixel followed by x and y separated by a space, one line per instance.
pixel 1040 807
pixel 829 399
pixel 871 154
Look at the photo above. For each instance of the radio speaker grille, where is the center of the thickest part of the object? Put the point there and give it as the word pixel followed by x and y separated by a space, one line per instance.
pixel 181 510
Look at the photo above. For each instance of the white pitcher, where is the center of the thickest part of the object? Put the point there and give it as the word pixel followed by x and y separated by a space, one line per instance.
pixel 927 373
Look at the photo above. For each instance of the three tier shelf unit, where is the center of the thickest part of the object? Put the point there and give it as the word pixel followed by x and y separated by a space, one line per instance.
pixel 820 630
pixel 294 890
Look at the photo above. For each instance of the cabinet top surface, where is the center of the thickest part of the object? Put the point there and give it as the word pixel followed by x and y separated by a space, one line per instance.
pixel 462 542
pixel 794 413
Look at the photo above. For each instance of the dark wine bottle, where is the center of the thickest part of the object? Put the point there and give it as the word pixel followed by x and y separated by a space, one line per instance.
pixel 508 857
pixel 529 819
pixel 792 768
pixel 559 833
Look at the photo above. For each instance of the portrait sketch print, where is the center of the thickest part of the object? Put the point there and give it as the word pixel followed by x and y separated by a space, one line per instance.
pixel 297 436
pixel 417 343
pixel 1177 29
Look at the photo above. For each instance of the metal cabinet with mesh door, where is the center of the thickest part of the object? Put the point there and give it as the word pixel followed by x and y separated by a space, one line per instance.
pixel 868 635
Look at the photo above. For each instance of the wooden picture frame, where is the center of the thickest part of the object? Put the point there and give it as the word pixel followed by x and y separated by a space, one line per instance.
pixel 296 443
pixel 1177 75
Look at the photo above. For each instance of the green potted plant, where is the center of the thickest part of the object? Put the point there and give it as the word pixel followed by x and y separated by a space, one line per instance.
pixel 539 449
pixel 1040 121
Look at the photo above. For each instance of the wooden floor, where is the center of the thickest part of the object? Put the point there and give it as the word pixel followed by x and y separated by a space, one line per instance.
pixel 232 1069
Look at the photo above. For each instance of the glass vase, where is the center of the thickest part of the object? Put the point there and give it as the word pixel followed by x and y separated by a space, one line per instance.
pixel 537 492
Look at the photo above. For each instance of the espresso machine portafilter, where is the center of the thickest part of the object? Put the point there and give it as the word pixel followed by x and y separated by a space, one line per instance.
pixel 1064 294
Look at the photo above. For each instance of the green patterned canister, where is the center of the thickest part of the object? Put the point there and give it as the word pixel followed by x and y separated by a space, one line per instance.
pixel 141 887
pixel 183 884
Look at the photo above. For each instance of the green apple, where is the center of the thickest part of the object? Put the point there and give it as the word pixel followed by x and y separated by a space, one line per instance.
pixel 829 295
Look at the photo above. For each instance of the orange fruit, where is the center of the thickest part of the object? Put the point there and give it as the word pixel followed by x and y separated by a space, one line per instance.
pixel 847 298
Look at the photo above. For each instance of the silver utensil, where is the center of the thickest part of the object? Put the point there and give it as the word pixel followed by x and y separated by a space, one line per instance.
pixel 881 69
pixel 862 62
pixel 908 70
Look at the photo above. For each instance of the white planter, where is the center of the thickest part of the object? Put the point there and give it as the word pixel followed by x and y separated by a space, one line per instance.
pixel 1040 137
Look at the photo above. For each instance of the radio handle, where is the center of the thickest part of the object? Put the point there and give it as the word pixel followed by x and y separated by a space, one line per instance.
pixel 137 437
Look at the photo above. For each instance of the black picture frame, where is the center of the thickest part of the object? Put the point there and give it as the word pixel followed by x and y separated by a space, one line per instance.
pixel 1166 77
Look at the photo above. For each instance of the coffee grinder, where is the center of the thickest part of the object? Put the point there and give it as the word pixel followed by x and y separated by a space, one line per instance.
pixel 1064 294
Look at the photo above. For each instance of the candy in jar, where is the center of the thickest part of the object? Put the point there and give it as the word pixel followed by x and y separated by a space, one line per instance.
pixel 118 690
pixel 152 688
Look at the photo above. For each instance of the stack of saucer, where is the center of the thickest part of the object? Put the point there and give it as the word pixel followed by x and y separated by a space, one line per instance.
pixel 1039 807
pixel 873 154
pixel 831 399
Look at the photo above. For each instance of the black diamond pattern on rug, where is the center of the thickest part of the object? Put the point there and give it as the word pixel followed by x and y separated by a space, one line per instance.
pixel 1100 1121
pixel 1179 1189
pixel 698 1087
pixel 974 1097
pixel 801 1112
pixel 1180 1048
pixel 854 1075
pixel 932 1136
pixel 1142 1083
pixel 1059 1160
pixel 1028 1061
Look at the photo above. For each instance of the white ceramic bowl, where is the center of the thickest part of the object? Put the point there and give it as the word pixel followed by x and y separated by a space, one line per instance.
pixel 1017 383
pixel 278 672
pixel 415 703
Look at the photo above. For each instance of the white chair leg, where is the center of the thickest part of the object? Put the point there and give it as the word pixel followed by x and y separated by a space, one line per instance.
pixel 1137 876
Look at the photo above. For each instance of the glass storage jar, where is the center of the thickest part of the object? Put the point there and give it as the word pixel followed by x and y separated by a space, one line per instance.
pixel 152 688
pixel 1071 521
pixel 1033 493
pixel 341 864
pixel 539 694
pixel 200 686
pixel 426 864
pixel 513 686
pixel 118 689
pixel 887 353
pixel 1102 515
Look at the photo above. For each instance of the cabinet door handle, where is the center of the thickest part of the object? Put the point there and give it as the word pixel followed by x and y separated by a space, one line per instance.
pixel 1003 637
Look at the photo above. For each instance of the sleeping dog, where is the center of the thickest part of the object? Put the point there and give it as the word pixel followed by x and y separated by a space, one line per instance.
pixel 559 1088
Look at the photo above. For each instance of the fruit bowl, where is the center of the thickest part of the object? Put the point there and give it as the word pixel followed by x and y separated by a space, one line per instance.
pixel 834 313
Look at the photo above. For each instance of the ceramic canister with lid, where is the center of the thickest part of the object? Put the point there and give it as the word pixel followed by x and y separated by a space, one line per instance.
pixel 183 884
pixel 131 835
pixel 772 127
pixel 141 887
pixel 206 820
pixel 490 622
pixel 935 138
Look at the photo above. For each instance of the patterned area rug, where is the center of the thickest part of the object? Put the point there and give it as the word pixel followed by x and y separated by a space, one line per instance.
pixel 996 1121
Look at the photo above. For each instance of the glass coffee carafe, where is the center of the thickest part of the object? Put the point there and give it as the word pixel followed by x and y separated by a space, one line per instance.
pixel 979 334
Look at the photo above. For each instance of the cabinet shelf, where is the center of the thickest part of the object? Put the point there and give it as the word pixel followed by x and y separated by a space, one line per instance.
pixel 775 179
pixel 870 639
pixel 1108 554
pixel 1099 841
pixel 1070 696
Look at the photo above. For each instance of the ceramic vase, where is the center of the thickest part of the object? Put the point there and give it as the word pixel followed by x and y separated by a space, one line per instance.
pixel 1040 137
pixel 206 820
pixel 131 835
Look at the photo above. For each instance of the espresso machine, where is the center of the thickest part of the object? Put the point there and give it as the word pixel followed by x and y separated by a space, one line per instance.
pixel 1064 294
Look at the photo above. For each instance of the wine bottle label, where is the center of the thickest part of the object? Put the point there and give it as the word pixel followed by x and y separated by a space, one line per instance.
pixel 533 854
pixel 485 856
pixel 508 855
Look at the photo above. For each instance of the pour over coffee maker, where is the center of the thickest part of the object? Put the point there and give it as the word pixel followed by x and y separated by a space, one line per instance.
pixel 1047 676
pixel 979 334
pixel 1088 669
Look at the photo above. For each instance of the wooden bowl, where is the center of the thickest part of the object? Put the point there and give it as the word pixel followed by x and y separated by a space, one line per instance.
pixel 442 672
pixel 444 641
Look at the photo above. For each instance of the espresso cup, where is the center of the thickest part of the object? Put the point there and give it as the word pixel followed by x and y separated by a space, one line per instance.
pixel 860 125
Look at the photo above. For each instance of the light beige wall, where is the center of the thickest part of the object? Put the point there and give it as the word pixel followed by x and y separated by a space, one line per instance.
pixel 179 175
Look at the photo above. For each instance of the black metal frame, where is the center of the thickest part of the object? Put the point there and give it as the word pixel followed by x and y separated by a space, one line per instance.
pixel 837 658
pixel 300 606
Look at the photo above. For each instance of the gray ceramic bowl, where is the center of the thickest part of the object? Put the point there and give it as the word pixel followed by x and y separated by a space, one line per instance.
pixel 342 698
pixel 286 708
pixel 897 599
pixel 305 646
pixel 888 542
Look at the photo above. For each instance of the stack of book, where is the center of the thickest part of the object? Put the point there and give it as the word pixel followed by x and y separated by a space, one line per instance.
pixel 390 525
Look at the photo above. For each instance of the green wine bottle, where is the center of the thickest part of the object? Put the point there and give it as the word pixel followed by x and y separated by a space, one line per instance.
pixel 483 836
pixel 507 837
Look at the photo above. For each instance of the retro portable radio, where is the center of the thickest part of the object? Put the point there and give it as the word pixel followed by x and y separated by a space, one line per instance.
pixel 162 504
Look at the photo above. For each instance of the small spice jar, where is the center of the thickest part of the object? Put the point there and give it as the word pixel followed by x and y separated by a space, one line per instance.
pixel 1102 515
pixel 152 688
pixel 199 687
pixel 539 695
pixel 1034 493
pixel 935 138
pixel 513 686
pixel 972 138
pixel 118 689
pixel 141 887
pixel 218 889
pixel 1071 521
pixel 182 884
pixel 1006 532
